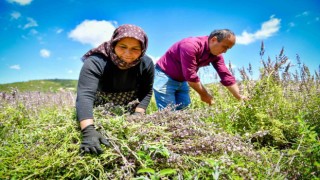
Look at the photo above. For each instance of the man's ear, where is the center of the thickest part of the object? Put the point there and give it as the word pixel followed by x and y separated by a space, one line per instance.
pixel 214 39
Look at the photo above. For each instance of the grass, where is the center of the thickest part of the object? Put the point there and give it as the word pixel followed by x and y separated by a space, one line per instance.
pixel 50 85
pixel 275 135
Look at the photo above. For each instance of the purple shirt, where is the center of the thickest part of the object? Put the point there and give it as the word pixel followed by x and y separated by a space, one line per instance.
pixel 183 60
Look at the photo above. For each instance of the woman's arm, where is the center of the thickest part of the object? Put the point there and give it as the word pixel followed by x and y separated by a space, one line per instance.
pixel 90 74
pixel 145 89
pixel 86 122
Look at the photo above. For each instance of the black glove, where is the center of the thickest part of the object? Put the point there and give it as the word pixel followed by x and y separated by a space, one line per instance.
pixel 91 140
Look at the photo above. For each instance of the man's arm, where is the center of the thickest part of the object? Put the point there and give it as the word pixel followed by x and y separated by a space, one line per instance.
pixel 234 89
pixel 201 90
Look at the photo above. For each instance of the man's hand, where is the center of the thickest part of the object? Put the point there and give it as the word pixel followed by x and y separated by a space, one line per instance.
pixel 91 140
pixel 207 98
pixel 234 89
pixel 244 98
pixel 201 90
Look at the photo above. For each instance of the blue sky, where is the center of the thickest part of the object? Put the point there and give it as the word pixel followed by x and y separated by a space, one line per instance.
pixel 42 39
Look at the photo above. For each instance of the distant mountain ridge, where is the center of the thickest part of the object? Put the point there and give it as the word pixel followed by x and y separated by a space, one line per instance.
pixel 45 85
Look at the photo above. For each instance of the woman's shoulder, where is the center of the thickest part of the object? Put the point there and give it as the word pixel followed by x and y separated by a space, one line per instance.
pixel 96 62
pixel 96 57
pixel 147 60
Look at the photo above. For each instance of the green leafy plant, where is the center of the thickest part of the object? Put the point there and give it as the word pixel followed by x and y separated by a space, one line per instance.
pixel 274 135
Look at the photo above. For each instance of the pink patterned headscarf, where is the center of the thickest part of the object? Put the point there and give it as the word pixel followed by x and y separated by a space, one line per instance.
pixel 107 48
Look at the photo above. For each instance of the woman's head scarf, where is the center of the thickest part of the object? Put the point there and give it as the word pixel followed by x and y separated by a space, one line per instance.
pixel 124 31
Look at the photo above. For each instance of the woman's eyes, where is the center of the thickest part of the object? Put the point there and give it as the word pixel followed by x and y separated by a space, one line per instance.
pixel 133 49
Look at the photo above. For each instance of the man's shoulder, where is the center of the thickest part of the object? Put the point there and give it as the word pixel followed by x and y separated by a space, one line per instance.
pixel 195 39
pixel 194 44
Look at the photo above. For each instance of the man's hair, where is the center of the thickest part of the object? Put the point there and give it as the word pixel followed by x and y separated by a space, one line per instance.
pixel 221 34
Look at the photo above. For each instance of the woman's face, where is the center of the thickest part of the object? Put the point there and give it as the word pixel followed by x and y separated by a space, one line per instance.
pixel 128 49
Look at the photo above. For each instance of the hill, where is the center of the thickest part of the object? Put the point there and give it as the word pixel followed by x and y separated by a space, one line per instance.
pixel 47 85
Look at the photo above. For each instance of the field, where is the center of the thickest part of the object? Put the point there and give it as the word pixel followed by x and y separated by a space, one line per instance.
pixel 274 135
pixel 50 85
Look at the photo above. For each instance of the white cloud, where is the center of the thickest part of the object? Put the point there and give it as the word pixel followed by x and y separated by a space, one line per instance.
pixel 93 32
pixel 15 15
pixel 74 58
pixel 58 31
pixel 33 32
pixel 305 13
pixel 24 37
pixel 16 67
pixel 70 71
pixel 292 24
pixel 31 23
pixel 268 29
pixel 154 59
pixel 21 2
pixel 45 53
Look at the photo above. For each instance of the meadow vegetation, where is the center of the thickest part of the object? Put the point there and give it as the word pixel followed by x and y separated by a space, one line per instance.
pixel 48 85
pixel 274 135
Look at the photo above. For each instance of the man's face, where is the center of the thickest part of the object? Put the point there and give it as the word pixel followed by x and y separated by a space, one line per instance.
pixel 223 46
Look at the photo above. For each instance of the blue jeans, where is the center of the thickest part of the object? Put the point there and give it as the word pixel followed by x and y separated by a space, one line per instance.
pixel 169 92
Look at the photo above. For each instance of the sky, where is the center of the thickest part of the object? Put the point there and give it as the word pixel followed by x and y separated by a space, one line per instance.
pixel 42 39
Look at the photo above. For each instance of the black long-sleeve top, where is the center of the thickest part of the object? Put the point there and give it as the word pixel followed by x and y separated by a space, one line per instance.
pixel 99 74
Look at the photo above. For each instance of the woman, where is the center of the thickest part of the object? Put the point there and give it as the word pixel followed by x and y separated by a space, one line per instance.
pixel 118 72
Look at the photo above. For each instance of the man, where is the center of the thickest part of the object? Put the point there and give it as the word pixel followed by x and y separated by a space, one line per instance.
pixel 177 69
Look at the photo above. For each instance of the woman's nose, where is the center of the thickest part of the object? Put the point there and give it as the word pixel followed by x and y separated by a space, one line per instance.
pixel 127 51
